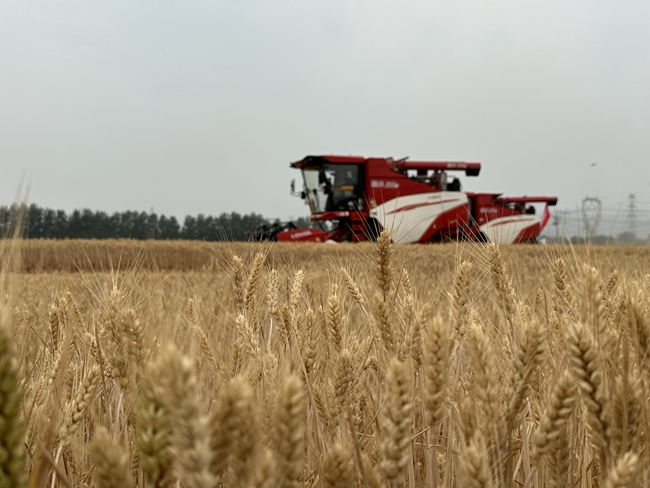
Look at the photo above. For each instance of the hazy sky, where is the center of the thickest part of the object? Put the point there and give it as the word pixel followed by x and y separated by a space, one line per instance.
pixel 199 106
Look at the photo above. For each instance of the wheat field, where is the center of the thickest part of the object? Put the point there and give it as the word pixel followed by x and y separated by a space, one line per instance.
pixel 166 364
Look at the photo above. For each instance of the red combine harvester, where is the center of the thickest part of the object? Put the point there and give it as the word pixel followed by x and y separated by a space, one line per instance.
pixel 416 200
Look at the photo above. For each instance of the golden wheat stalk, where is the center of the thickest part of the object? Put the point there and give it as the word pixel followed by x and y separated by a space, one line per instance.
pixel 80 405
pixel 474 465
pixel 238 283
pixel 288 433
pixel 460 299
pixel 111 461
pixel 337 467
pixel 528 355
pixel 560 405
pixel 190 437
pixel 335 319
pixel 383 268
pixel 587 368
pixel 153 435
pixel 352 287
pixel 436 370
pixel 235 431
pixel 253 279
pixel 502 283
pixel 396 421
pixel 623 473
pixel 12 451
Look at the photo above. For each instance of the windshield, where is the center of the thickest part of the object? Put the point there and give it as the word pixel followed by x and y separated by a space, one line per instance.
pixel 333 187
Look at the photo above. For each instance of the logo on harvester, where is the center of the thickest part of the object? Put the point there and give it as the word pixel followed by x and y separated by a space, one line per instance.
pixel 490 210
pixel 392 185
pixel 298 235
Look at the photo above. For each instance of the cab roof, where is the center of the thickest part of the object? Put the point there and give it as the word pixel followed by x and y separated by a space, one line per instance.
pixel 315 160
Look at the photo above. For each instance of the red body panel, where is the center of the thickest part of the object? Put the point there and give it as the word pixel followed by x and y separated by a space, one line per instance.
pixel 447 225
pixel 383 184
pixel 486 207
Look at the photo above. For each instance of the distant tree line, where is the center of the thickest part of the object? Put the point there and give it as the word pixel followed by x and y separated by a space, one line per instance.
pixel 44 223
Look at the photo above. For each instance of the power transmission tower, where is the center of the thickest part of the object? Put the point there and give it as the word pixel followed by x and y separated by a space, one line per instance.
pixel 560 222
pixel 591 211
pixel 556 224
pixel 631 213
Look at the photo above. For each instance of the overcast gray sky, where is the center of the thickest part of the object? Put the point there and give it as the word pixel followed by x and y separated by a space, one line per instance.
pixel 199 106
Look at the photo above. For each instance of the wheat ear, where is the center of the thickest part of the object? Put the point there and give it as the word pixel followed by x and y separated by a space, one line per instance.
pixel 253 279
pixel 238 283
pixel 487 383
pixel 12 450
pixel 386 328
pixel 55 329
pixel 587 368
pixel 343 380
pixel 337 467
pixel 396 421
pixel 501 281
pixel 352 287
pixel 311 342
pixel 383 267
pixel 528 356
pixel 273 294
pixel 629 407
pixel 436 370
pixel 373 477
pixel 335 319
pixel 475 467
pixel 560 405
pixel 622 474
pixel 234 428
pixel 592 305
pixel 133 330
pixel 639 325
pixel 417 335
pixel 460 299
pixel 288 434
pixel 80 405
pixel 559 460
pixel 190 440
pixel 296 288
pixel 564 302
pixel 112 468
pixel 153 435
pixel 263 475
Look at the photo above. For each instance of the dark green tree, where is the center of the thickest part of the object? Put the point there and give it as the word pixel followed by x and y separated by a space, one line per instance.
pixel 45 223
pixel 169 228
pixel 152 229
pixel 189 230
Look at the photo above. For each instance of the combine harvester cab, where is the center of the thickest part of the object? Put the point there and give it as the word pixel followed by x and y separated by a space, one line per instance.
pixel 416 200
